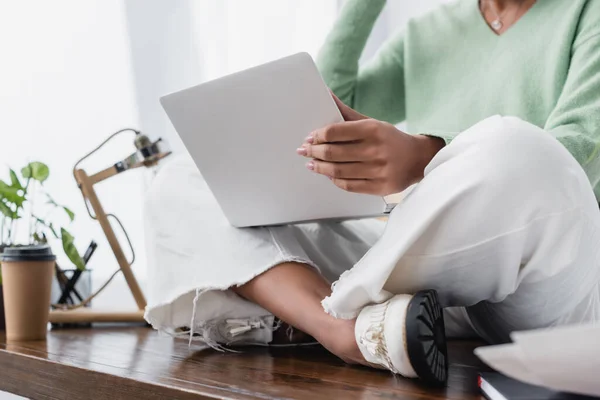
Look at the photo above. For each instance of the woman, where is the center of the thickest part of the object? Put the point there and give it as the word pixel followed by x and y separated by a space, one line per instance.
pixel 503 224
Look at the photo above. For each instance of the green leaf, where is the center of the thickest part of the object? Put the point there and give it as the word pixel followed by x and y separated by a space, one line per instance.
pixel 70 249
pixel 11 194
pixel 39 239
pixel 70 213
pixel 14 180
pixel 27 171
pixel 36 170
pixel 4 209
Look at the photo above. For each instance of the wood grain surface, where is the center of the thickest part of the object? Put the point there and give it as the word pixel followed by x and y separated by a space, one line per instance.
pixel 138 363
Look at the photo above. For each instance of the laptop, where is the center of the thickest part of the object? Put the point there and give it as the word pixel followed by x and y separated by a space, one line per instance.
pixel 243 130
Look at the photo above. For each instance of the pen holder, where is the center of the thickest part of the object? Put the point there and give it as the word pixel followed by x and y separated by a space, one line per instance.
pixel 71 287
pixel 81 290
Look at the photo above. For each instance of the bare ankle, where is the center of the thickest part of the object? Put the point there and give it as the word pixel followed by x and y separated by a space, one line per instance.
pixel 337 336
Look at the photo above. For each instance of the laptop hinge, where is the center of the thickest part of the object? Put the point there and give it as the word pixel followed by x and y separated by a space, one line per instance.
pixel 389 207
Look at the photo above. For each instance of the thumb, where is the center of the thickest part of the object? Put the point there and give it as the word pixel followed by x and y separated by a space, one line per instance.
pixel 348 113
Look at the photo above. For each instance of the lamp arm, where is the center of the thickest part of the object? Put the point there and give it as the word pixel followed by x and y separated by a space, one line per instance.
pixel 75 168
pixel 148 155
pixel 112 171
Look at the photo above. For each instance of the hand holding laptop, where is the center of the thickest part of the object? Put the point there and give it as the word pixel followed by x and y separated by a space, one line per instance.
pixel 364 155
pixel 241 131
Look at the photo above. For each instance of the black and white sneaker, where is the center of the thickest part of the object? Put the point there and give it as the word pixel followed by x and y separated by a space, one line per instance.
pixel 406 335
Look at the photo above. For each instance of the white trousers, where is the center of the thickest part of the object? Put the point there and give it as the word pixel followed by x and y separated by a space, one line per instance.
pixel 505 226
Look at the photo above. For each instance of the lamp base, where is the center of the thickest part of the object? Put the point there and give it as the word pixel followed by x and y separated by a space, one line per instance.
pixel 89 315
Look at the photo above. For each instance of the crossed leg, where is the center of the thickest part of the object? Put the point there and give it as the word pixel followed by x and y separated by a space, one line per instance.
pixel 504 225
pixel 293 292
pixel 486 228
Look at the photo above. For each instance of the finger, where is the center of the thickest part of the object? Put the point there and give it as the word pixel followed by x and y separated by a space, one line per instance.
pixel 341 132
pixel 348 113
pixel 344 152
pixel 357 185
pixel 352 170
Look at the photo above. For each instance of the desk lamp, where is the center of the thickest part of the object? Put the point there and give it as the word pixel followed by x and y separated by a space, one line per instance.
pixel 148 154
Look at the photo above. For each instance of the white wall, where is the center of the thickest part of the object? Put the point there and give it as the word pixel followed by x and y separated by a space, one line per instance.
pixel 179 44
pixel 163 44
pixel 66 84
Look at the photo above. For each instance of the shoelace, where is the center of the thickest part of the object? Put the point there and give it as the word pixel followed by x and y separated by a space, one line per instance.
pixel 227 329
pixel 237 327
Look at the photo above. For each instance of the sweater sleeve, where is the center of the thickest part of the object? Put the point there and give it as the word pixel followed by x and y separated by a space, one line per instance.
pixel 377 89
pixel 575 121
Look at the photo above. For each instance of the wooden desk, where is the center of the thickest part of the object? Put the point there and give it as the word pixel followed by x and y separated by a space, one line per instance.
pixel 137 363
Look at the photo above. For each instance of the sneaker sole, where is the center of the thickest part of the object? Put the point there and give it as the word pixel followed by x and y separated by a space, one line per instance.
pixel 426 338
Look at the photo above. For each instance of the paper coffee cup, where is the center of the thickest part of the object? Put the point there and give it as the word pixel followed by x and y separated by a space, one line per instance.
pixel 27 279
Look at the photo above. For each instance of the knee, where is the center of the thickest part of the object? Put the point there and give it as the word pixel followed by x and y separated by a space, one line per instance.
pixel 509 146
pixel 513 161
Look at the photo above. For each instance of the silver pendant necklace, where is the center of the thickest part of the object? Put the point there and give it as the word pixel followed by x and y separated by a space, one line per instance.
pixel 497 24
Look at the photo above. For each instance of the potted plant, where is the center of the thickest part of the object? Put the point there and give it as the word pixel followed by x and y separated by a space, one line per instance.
pixel 21 203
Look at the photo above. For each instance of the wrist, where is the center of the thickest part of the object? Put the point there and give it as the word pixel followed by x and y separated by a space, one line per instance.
pixel 426 148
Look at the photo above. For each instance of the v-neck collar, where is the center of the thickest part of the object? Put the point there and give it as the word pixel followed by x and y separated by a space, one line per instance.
pixel 483 23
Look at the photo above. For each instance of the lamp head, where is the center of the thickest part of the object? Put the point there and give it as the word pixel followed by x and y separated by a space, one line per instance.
pixel 148 153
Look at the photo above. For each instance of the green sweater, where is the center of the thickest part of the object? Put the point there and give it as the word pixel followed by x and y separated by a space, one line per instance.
pixel 447 71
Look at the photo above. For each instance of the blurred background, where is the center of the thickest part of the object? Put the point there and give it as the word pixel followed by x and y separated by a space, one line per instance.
pixel 75 71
